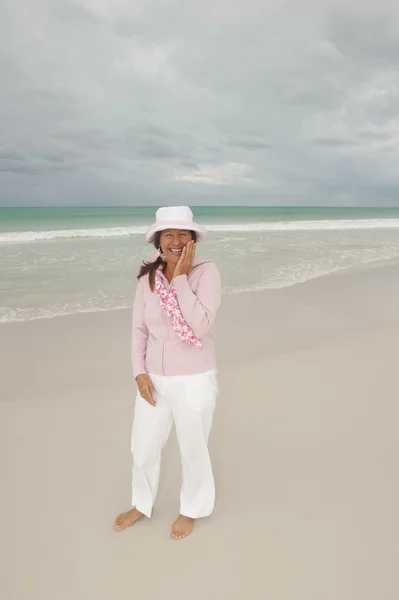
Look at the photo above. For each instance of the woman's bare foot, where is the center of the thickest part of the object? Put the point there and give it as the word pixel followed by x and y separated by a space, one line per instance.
pixel 127 518
pixel 182 527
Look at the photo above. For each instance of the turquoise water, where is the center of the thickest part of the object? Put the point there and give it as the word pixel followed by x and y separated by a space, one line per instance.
pixel 56 261
pixel 36 219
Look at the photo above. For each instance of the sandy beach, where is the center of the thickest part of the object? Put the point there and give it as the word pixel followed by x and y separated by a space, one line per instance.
pixel 304 448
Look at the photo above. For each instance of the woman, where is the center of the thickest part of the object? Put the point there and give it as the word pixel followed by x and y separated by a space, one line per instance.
pixel 173 358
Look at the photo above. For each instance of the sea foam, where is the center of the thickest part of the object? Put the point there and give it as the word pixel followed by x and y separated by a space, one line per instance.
pixel 106 232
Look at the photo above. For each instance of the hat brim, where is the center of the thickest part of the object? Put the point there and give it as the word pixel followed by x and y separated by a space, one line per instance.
pixel 190 226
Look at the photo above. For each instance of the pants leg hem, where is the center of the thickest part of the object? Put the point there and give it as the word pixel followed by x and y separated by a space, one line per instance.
pixel 192 514
pixel 147 512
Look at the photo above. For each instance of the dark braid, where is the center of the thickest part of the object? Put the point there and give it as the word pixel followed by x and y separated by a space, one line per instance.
pixel 151 267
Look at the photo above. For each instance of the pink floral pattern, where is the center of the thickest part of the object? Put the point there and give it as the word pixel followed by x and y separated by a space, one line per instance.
pixel 170 305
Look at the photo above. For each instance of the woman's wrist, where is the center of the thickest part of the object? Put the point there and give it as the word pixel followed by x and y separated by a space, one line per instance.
pixel 139 375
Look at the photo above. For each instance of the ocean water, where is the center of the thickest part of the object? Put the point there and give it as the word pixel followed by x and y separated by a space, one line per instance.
pixel 56 261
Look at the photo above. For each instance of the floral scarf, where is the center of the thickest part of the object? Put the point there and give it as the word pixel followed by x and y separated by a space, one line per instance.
pixel 170 305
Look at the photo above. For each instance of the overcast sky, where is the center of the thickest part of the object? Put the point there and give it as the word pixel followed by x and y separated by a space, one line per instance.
pixel 203 102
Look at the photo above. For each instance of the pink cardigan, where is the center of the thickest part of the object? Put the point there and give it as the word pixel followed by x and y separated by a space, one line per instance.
pixel 156 347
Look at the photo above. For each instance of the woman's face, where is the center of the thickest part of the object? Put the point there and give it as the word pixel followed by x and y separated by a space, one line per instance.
pixel 173 242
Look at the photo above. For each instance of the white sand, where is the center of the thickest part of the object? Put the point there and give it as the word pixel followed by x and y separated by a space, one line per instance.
pixel 304 447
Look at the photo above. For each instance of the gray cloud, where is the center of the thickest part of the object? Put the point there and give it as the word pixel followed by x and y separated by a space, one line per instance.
pixel 374 135
pixel 73 12
pixel 249 143
pixel 332 142
pixel 158 102
pixel 371 38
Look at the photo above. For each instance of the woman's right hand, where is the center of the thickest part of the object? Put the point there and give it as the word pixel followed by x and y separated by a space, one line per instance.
pixel 145 387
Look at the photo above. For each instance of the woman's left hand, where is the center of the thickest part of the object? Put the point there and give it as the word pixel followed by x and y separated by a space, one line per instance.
pixel 186 260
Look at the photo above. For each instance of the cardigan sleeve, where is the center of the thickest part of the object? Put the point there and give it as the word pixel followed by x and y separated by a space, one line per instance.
pixel 199 309
pixel 139 333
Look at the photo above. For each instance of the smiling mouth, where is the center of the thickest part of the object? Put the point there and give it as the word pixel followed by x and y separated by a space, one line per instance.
pixel 176 252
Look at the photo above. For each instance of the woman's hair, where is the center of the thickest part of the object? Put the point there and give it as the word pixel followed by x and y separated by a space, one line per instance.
pixel 151 267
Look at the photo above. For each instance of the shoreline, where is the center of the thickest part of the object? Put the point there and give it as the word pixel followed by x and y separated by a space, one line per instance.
pixel 362 267
pixel 265 324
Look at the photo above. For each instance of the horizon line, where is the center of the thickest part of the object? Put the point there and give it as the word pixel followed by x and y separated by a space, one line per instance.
pixel 279 206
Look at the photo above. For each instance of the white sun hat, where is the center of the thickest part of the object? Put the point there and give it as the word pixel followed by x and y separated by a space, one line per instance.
pixel 174 217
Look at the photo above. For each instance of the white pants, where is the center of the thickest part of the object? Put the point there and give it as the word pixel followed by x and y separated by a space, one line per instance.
pixel 189 401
